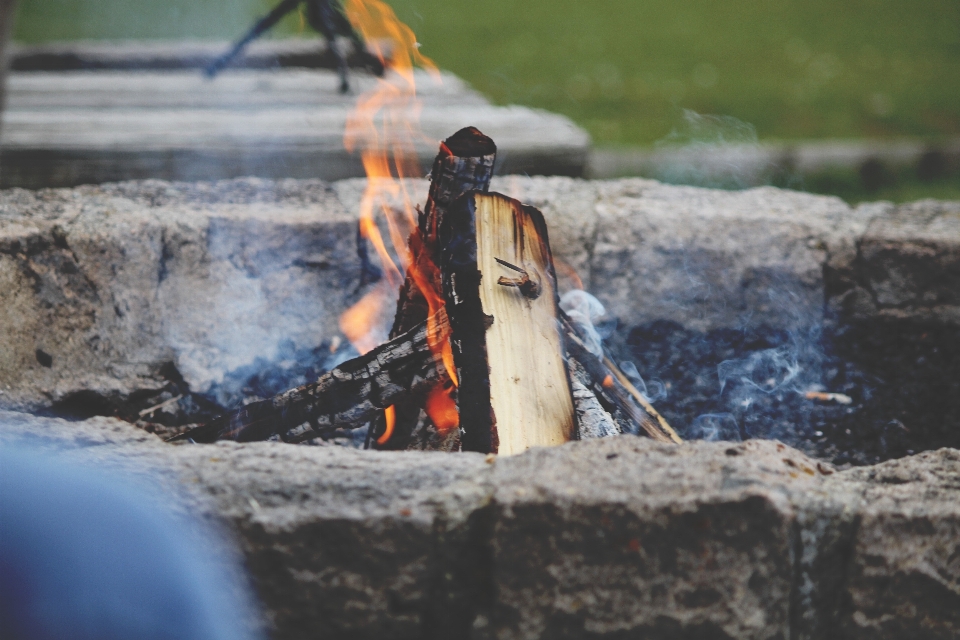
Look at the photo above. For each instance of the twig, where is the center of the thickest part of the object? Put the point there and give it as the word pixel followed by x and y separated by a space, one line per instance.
pixel 165 403
pixel 625 381
pixel 528 287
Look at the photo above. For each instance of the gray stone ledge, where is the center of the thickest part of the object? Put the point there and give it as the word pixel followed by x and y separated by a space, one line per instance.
pixel 602 539
pixel 114 282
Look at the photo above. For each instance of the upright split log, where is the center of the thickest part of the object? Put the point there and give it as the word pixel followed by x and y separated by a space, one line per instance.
pixel 501 293
pixel 464 163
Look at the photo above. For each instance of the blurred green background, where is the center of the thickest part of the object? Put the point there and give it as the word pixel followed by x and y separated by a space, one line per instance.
pixel 625 69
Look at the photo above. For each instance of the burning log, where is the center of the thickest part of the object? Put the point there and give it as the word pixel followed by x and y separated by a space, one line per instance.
pixel 480 357
pixel 465 163
pixel 348 397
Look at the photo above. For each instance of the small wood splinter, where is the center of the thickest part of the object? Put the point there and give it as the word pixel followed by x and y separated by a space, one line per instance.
pixel 528 287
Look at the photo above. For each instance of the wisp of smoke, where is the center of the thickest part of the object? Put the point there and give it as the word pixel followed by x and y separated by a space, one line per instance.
pixel 585 312
pixel 590 317
pixel 715 427
pixel 712 151
pixel 768 371
pixel 754 388
pixel 652 391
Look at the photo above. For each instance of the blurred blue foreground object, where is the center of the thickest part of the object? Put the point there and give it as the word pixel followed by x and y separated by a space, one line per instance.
pixel 87 555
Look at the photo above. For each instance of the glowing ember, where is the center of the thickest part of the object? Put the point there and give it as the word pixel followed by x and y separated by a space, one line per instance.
pixel 442 410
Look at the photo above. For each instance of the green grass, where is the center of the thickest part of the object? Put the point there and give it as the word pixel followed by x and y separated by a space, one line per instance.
pixel 625 69
pixel 793 69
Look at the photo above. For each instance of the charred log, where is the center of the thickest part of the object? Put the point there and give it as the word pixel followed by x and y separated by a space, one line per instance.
pixel 464 163
pixel 593 421
pixel 348 397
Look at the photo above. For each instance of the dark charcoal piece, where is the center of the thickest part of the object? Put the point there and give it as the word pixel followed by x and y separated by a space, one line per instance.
pixel 348 397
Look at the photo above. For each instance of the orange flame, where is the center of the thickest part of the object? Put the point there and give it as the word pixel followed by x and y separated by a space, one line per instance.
pixel 391 415
pixel 384 128
pixel 442 410
pixel 363 323
pixel 426 276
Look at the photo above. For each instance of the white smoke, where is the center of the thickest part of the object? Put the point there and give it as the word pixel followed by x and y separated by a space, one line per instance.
pixel 767 371
pixel 589 316
pixel 713 151
pixel 715 427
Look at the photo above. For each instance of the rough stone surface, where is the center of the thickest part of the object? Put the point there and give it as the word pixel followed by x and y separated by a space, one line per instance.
pixel 906 264
pixel 903 572
pixel 103 288
pixel 610 538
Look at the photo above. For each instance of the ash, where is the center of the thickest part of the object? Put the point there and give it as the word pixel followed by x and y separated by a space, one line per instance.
pixel 903 379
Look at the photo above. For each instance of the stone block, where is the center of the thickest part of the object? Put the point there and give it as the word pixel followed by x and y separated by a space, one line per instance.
pixel 610 538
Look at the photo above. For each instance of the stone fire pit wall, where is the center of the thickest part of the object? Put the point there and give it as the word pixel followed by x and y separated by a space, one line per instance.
pixel 616 538
pixel 107 293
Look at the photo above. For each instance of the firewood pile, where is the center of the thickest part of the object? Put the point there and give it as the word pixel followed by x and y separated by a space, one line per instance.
pixel 480 356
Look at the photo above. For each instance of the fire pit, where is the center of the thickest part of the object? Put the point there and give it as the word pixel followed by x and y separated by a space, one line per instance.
pixel 549 336
pixel 166 304
pixel 760 312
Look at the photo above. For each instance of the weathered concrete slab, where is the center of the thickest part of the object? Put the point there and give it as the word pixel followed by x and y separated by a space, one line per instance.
pixel 239 89
pixel 600 539
pixel 98 123
pixel 85 273
pixel 907 265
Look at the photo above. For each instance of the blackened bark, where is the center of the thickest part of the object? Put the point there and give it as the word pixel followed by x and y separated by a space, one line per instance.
pixel 465 163
pixel 348 397
pixel 461 284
